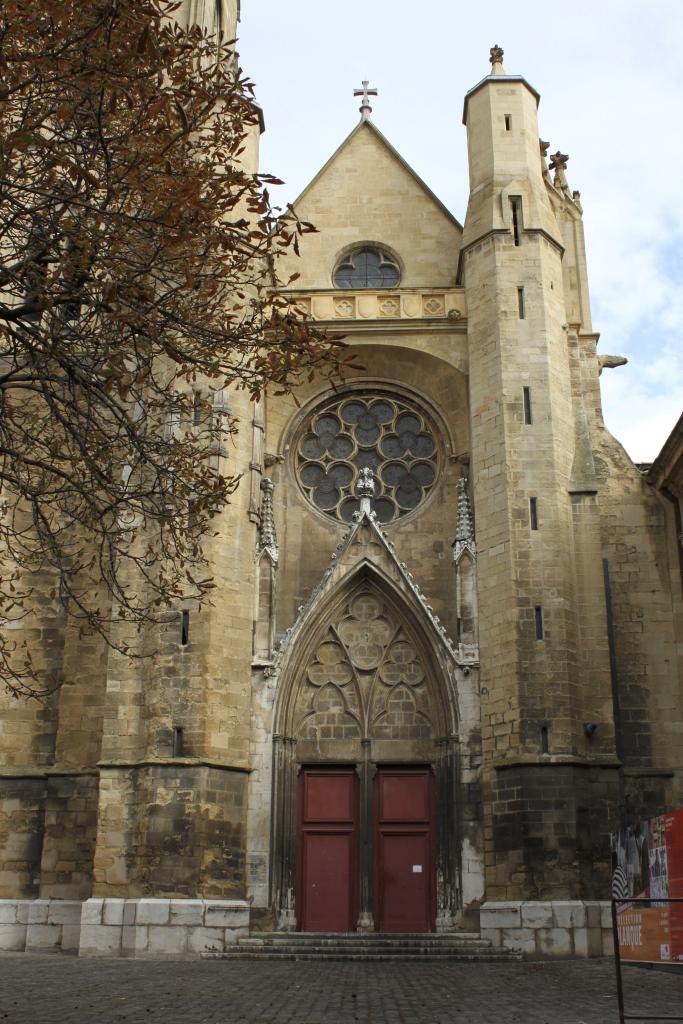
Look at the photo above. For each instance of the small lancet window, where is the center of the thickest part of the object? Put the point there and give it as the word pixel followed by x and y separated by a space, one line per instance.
pixel 533 513
pixel 516 212
pixel 367 267
pixel 508 122
pixel 545 745
pixel 538 617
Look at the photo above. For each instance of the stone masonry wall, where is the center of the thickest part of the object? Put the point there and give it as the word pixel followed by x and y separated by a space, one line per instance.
pixel 174 830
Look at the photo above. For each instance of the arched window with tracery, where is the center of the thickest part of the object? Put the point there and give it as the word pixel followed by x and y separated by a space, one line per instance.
pixel 368 266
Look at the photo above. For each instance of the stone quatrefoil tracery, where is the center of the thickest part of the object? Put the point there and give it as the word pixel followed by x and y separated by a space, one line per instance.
pixel 366 678
pixel 389 436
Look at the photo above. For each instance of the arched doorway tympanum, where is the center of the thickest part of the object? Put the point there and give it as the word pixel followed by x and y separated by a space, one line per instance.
pixel 365 771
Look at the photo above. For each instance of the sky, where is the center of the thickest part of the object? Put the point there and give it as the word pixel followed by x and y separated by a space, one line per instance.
pixel 610 76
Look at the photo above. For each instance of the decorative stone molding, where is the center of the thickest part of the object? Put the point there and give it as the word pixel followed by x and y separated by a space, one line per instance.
pixel 368 304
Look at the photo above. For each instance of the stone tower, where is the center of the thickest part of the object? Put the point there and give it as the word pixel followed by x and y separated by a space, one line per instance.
pixel 544 654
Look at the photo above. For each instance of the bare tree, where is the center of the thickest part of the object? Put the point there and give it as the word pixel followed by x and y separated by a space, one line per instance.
pixel 137 258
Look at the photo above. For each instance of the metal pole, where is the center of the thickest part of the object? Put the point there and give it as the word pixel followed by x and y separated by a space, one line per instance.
pixel 617 962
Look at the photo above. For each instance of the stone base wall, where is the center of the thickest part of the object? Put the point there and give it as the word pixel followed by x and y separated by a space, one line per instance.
pixel 156 928
pixel 120 927
pixel 40 925
pixel 566 928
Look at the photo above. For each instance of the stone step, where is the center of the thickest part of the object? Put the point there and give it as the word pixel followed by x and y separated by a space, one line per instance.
pixel 360 946
pixel 327 953
pixel 372 937
pixel 471 946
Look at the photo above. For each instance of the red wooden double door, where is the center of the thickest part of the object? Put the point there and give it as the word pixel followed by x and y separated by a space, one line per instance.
pixel 398 853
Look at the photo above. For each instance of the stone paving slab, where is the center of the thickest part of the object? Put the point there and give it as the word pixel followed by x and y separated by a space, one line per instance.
pixel 57 989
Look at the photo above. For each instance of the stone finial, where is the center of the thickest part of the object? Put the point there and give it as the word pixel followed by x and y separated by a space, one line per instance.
pixel 544 147
pixel 464 533
pixel 465 527
pixel 365 488
pixel 558 163
pixel 267 536
pixel 496 60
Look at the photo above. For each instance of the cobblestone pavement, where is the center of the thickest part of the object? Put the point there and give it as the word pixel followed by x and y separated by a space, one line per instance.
pixel 43 989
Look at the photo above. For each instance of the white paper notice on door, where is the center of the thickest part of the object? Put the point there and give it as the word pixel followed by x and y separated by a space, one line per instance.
pixel 417 869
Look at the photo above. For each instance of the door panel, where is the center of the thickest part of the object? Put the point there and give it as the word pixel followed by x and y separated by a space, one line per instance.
pixel 328 865
pixel 327 850
pixel 404 797
pixel 405 883
pixel 328 798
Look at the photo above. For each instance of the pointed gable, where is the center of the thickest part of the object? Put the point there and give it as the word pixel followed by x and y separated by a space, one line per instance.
pixel 366 192
pixel 366 544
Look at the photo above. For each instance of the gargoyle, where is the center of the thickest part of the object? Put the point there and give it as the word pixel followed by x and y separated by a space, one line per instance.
pixel 609 362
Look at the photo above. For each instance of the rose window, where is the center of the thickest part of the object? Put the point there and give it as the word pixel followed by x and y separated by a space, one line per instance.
pixel 388 435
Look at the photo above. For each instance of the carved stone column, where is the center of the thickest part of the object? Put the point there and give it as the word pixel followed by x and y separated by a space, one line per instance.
pixel 284 832
pixel 447 864
pixel 366 772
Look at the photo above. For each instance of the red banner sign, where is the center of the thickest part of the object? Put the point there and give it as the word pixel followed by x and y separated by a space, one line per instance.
pixel 649 864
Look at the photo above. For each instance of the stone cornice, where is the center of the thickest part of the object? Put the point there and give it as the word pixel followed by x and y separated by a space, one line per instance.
pixel 555 761
pixel 172 762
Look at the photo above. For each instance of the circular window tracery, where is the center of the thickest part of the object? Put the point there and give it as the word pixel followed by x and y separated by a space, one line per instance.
pixel 390 435
pixel 368 266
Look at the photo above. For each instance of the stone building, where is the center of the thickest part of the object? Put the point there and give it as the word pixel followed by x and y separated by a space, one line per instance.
pixel 441 662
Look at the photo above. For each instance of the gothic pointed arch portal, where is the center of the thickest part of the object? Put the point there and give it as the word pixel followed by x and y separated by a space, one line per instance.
pixel 367 697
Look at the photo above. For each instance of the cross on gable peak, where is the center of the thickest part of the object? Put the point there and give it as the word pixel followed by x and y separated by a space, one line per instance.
pixel 365 92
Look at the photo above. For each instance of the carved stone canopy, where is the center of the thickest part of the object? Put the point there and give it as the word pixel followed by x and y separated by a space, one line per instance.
pixel 464 532
pixel 267 539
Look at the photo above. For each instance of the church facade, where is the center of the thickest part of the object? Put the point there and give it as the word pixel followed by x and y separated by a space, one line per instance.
pixel 442 661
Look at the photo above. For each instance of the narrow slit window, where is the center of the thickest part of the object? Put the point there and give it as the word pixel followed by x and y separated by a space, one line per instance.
pixel 197 409
pixel 538 614
pixel 185 628
pixel 508 122
pixel 516 211
pixel 520 303
pixel 527 404
pixel 533 513
pixel 177 741
pixel 545 748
